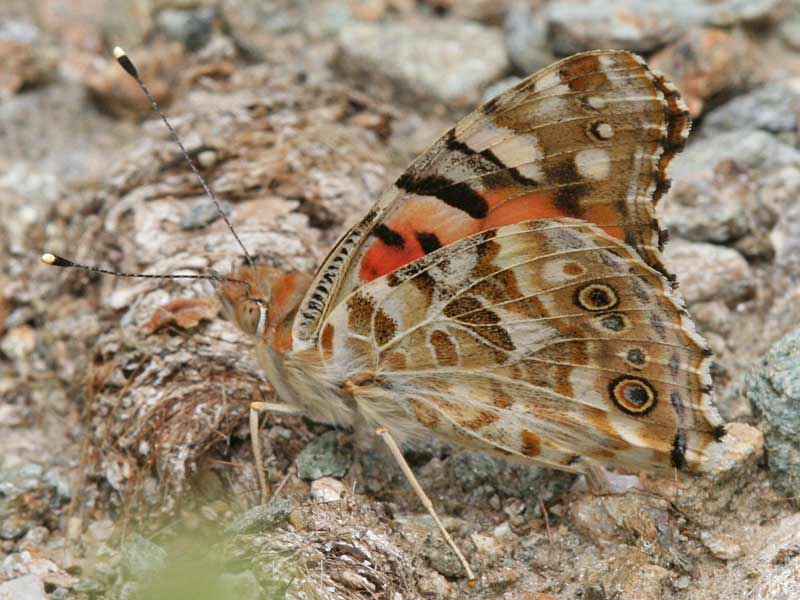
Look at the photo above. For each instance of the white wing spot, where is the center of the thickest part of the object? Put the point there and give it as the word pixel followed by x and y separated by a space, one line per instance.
pixel 593 163
pixel 596 102
pixel 559 271
pixel 605 131
pixel 607 60
pixel 518 150
pixel 551 80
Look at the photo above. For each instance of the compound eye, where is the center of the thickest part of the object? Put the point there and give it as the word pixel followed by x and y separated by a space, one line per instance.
pixel 251 316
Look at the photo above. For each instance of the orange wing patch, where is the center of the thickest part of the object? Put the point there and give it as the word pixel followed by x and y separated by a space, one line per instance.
pixel 424 224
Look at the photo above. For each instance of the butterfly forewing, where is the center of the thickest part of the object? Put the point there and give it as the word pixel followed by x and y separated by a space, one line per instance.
pixel 589 137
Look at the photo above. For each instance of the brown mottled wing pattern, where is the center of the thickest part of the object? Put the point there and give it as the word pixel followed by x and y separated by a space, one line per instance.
pixel 544 341
pixel 589 137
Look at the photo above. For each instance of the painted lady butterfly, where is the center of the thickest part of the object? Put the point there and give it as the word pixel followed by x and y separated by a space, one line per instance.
pixel 507 293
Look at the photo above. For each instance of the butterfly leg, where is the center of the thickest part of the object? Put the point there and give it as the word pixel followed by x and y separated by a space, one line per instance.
pixel 255 440
pixel 426 502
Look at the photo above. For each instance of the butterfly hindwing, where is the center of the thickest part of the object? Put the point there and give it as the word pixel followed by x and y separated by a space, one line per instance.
pixel 589 137
pixel 545 341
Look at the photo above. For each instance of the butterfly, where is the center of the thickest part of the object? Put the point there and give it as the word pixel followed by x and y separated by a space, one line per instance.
pixel 507 293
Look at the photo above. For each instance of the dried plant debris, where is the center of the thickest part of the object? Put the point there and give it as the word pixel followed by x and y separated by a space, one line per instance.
pixel 327 551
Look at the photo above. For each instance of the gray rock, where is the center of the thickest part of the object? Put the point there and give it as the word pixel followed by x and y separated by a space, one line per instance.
pixel 486 11
pixel 785 237
pixel 265 517
pixel 324 457
pixel 753 209
pixel 748 151
pixel 60 484
pixel 714 316
pixel 326 18
pixel 441 558
pixel 784 314
pixel 731 12
pixel 203 212
pixel 19 31
pixel 526 39
pixel 776 566
pixel 773 389
pixel 701 211
pixel 628 575
pixel 14 526
pixel 255 24
pixel 781 585
pixel 723 546
pixel 450 62
pixel 24 477
pixel 141 557
pixel 27 587
pixel 191 27
pixel 709 272
pixel 774 107
pixel 481 475
pixel 619 517
pixel 641 25
pixel 790 29
pixel 728 206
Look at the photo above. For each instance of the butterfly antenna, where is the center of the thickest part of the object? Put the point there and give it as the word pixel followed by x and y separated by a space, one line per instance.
pixel 54 260
pixel 126 63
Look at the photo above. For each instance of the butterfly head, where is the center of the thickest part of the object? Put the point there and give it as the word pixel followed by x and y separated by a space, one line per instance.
pixel 245 298
pixel 259 299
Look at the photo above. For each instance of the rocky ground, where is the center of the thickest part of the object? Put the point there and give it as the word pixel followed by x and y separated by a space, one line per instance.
pixel 125 464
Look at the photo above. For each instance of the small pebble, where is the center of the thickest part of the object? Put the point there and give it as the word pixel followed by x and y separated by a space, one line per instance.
pixel 190 27
pixel 19 342
pixel 720 545
pixel 442 559
pixel 324 457
pixel 327 489
pixel 486 544
pixel 27 587
pixel 34 538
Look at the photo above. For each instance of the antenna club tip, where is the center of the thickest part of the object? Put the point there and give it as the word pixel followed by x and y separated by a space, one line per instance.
pixel 125 62
pixel 56 261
